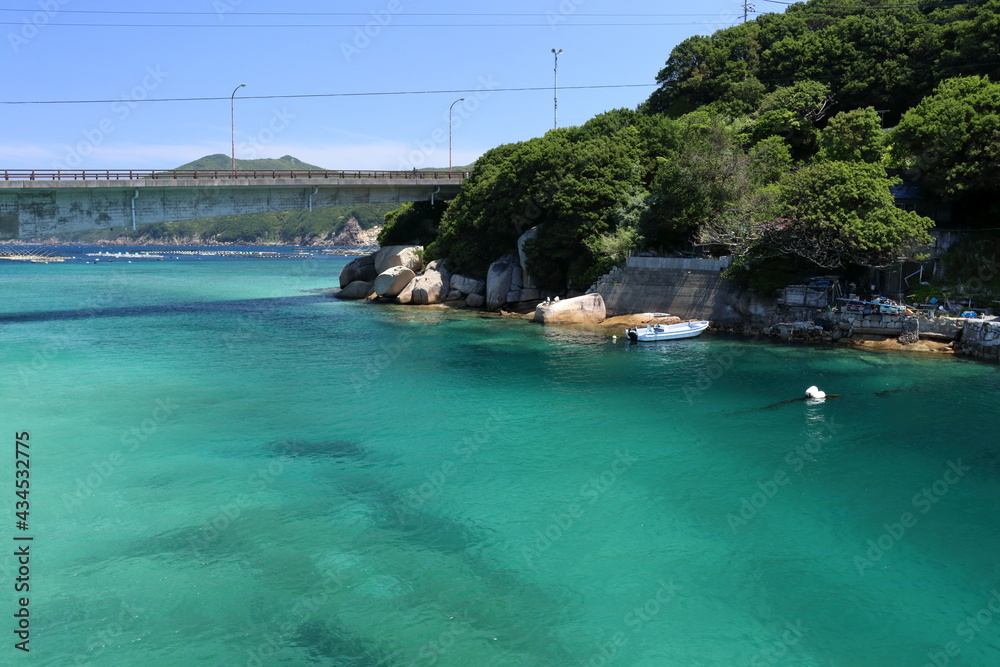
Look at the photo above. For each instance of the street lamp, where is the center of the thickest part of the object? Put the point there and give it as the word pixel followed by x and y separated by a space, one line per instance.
pixel 555 90
pixel 232 124
pixel 460 99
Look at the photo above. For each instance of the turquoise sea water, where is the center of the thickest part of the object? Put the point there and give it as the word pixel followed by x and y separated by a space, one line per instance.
pixel 228 468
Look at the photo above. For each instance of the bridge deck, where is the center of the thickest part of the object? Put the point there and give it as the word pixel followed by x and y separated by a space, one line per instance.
pixel 128 178
pixel 37 203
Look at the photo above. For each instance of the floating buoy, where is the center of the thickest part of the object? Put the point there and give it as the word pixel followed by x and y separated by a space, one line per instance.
pixel 815 392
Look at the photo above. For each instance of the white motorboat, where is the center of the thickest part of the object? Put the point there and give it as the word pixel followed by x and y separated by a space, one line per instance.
pixel 666 331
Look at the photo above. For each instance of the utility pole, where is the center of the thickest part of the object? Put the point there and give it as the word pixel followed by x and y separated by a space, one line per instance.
pixel 555 89
pixel 747 9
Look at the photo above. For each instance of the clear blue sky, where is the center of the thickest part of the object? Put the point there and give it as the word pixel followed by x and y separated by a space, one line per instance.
pixel 306 47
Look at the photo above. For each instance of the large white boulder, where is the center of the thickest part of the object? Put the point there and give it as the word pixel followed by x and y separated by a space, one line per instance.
pixel 398 255
pixel 586 309
pixel 391 282
pixel 431 287
pixel 359 268
pixel 498 281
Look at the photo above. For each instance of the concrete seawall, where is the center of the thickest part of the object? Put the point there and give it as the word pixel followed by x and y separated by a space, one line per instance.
pixel 687 288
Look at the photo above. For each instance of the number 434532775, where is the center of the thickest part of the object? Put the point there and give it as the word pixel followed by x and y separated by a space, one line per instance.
pixel 22 465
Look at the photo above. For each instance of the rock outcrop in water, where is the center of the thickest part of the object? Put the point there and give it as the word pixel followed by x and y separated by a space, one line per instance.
pixel 397 274
pixel 586 309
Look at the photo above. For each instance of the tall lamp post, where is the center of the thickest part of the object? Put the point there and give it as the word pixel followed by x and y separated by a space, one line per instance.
pixel 460 99
pixel 232 124
pixel 555 90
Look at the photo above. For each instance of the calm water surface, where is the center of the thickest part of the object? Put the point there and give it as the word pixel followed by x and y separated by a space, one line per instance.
pixel 230 468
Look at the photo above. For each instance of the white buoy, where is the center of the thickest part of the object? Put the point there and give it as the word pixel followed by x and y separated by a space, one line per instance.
pixel 815 392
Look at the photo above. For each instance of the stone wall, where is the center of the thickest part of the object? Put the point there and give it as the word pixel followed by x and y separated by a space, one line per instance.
pixel 981 338
pixel 688 294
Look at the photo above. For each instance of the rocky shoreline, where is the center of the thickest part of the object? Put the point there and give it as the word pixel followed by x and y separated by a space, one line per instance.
pixel 396 274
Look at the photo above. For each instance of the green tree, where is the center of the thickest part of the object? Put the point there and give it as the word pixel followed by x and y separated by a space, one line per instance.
pixel 570 181
pixel 709 184
pixel 838 213
pixel 951 140
pixel 853 136
pixel 794 113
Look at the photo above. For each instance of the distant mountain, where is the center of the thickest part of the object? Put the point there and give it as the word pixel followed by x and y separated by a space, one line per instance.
pixel 220 161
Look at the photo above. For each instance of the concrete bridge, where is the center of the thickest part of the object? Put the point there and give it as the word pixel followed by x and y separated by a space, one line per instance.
pixel 41 203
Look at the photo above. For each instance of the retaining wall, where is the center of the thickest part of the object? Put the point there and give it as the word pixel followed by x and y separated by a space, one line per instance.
pixel 981 338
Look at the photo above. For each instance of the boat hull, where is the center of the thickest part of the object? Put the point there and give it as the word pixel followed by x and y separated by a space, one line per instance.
pixel 651 334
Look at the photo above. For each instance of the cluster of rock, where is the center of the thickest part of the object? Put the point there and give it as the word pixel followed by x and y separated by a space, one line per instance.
pixel 397 274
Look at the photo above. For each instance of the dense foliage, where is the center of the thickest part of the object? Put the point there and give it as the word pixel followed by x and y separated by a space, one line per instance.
pixel 765 141
pixel 574 184
pixel 950 141
pixel 881 53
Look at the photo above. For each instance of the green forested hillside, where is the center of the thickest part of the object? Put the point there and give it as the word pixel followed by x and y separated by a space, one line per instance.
pixel 771 141
pixel 220 161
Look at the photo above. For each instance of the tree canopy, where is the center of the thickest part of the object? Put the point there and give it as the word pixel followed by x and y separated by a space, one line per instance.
pixel 570 182
pixel 951 139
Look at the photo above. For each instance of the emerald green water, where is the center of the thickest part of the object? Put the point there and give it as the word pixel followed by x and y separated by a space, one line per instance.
pixel 228 469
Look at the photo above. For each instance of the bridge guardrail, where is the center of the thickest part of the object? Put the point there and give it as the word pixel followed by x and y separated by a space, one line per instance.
pixel 143 174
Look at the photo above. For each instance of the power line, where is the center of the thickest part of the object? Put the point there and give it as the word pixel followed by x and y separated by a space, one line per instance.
pixel 314 95
pixel 369 14
pixel 362 25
